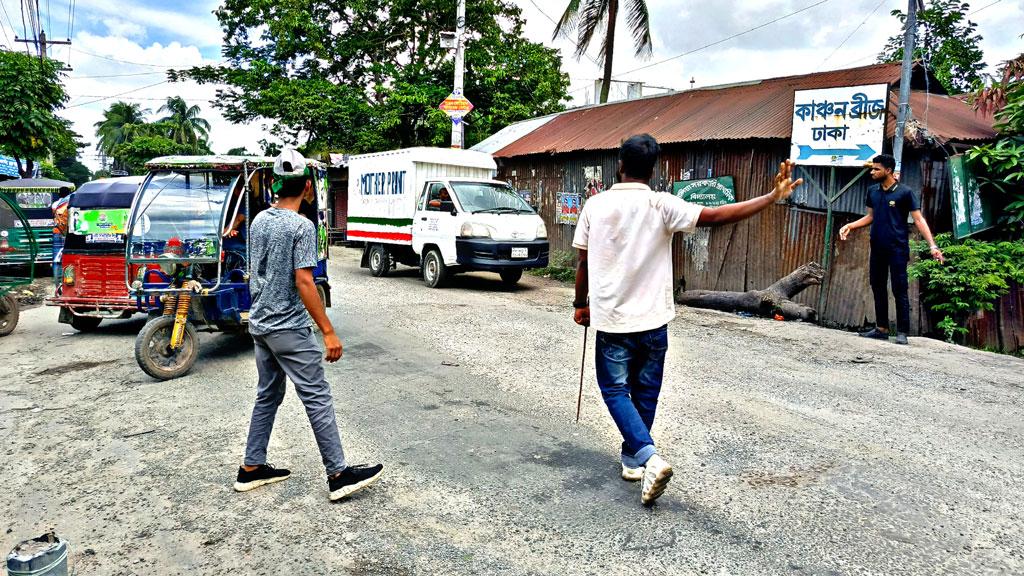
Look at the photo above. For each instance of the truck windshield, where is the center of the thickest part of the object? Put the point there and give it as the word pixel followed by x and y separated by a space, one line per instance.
pixel 479 197
pixel 178 215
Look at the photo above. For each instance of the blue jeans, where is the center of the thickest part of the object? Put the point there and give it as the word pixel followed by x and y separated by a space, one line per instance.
pixel 629 371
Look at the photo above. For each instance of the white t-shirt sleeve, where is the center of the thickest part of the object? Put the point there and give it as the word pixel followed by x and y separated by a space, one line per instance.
pixel 582 236
pixel 679 215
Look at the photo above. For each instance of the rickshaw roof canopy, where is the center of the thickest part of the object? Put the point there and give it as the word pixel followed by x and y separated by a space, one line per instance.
pixel 209 162
pixel 24 184
pixel 216 162
pixel 107 193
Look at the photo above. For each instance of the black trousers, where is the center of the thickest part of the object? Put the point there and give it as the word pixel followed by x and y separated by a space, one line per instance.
pixel 890 261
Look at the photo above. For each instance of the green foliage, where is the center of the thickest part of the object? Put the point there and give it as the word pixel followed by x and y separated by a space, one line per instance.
pixel 1000 166
pixel 239 151
pixel 976 274
pixel 561 266
pixel 31 93
pixel 110 131
pixel 369 75
pixel 947 40
pixel 184 123
pixel 48 170
pixel 74 170
pixel 586 16
pixel 134 154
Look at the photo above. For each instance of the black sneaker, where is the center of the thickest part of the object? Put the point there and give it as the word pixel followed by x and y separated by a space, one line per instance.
pixel 901 338
pixel 353 479
pixel 265 474
pixel 876 334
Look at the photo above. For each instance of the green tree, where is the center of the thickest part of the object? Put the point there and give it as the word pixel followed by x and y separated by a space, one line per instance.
pixel 587 16
pixel 48 170
pixel 74 170
pixel 369 75
pixel 947 41
pixel 134 154
pixel 31 94
pixel 186 125
pixel 239 151
pixel 116 125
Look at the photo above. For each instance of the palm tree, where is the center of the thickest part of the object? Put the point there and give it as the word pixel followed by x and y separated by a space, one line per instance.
pixel 585 16
pixel 187 126
pixel 116 125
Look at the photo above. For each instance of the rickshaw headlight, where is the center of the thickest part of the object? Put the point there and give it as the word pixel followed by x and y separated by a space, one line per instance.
pixel 69 275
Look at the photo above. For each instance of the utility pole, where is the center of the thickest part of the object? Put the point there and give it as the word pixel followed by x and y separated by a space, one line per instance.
pixel 460 69
pixel 908 63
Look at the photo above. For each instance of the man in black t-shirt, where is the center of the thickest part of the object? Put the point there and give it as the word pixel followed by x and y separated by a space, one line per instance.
pixel 888 204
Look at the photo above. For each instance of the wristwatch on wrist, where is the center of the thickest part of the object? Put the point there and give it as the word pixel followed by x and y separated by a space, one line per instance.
pixel 578 304
pixel 933 247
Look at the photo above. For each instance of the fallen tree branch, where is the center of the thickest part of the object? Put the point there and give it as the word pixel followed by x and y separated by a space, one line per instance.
pixel 776 299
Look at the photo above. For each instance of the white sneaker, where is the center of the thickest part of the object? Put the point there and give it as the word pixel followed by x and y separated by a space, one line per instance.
pixel 657 473
pixel 632 474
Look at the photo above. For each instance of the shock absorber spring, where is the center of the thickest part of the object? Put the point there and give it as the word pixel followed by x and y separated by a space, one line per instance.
pixel 168 301
pixel 180 317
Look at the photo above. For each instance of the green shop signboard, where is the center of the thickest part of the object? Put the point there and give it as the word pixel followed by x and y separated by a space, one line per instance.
pixel 972 212
pixel 708 192
pixel 99 221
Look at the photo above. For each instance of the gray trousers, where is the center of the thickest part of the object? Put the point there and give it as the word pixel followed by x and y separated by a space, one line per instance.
pixel 297 355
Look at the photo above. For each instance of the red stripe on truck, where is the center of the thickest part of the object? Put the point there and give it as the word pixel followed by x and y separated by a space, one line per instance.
pixel 380 235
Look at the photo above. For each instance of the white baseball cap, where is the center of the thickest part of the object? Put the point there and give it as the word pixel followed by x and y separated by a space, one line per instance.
pixel 290 163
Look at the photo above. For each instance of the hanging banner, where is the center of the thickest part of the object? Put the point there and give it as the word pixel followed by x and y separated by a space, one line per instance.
pixel 839 126
pixel 972 212
pixel 709 192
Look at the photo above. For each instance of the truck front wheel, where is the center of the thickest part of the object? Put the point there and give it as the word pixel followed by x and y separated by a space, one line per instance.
pixel 380 261
pixel 434 271
pixel 511 277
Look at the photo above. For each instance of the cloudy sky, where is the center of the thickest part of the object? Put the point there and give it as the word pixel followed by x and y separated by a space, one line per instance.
pixel 121 49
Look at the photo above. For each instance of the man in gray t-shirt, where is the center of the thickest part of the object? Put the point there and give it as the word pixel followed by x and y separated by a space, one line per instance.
pixel 285 304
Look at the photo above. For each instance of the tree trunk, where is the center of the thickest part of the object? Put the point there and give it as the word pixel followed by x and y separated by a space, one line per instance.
pixel 609 48
pixel 776 299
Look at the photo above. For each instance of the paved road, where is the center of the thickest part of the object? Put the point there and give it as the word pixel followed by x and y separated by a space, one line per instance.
pixel 798 450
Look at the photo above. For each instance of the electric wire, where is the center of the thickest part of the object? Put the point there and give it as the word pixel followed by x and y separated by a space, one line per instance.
pixel 100 99
pixel 9 24
pixel 80 51
pixel 984 7
pixel 850 35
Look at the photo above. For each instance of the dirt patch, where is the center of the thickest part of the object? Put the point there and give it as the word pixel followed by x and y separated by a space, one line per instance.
pixel 32 295
pixel 73 367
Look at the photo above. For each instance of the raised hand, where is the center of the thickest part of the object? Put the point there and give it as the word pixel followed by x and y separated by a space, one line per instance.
pixel 784 183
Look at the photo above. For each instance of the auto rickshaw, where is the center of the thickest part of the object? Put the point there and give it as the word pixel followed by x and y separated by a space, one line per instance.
pixel 91 286
pixel 34 197
pixel 188 236
pixel 18 252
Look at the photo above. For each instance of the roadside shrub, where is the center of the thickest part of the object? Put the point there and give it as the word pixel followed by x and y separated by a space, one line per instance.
pixel 976 274
pixel 561 266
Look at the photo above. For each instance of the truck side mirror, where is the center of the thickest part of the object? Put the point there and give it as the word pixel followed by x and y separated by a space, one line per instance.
pixel 448 206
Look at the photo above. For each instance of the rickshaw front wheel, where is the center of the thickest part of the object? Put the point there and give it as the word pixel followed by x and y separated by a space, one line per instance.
pixel 8 314
pixel 153 349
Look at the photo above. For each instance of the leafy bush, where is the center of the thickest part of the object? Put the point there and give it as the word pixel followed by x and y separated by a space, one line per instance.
pixel 561 266
pixel 976 274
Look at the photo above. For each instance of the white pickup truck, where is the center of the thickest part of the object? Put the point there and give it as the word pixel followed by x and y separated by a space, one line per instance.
pixel 442 211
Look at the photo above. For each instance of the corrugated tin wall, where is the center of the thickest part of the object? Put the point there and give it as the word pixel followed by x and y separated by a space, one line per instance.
pixel 754 253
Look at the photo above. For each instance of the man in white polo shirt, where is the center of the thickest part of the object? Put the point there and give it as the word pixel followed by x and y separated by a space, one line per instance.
pixel 624 238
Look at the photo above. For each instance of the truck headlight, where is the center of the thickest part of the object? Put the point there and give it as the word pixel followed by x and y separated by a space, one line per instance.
pixel 542 231
pixel 475 230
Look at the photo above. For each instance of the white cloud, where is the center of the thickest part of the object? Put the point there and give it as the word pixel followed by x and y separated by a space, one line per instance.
pixel 143 82
pixel 201 30
pixel 118 27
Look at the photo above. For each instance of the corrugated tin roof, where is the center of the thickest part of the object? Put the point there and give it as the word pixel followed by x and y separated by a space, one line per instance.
pixel 757 109
pixel 511 133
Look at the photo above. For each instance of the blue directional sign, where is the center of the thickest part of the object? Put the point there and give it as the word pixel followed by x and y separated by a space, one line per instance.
pixel 862 152
pixel 842 126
